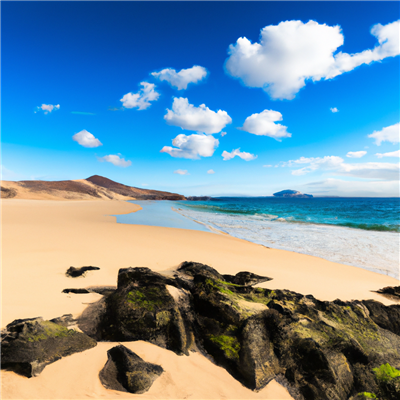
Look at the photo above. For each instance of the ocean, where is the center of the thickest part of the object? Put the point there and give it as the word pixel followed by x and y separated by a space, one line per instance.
pixel 363 232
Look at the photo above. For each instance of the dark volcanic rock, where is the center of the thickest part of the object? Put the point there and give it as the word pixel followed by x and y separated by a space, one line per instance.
pixel 28 345
pixel 66 320
pixel 76 291
pixel 75 272
pixel 387 317
pixel 246 278
pixel 390 291
pixel 127 372
pixel 142 308
pixel 320 350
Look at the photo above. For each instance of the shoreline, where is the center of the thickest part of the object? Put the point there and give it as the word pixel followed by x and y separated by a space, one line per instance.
pixel 43 238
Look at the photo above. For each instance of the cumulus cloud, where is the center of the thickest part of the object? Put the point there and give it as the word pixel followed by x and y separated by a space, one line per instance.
pixel 242 154
pixel 142 98
pixel 335 164
pixel 198 119
pixel 334 109
pixel 356 154
pixel 267 166
pixel 389 134
pixel 47 108
pixel 116 160
pixel 181 79
pixel 210 171
pixel 293 52
pixel 86 139
pixel 263 124
pixel 181 172
pixel 223 134
pixel 192 146
pixel 391 154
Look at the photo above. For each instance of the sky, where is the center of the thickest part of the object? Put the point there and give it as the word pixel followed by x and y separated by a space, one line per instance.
pixel 204 98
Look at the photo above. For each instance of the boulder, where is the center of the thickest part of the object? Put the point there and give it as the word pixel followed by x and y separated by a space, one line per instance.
pixel 392 292
pixel 142 308
pixel 127 372
pixel 28 345
pixel 75 272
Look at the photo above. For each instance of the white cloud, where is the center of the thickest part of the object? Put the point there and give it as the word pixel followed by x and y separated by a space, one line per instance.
pixel 334 164
pixel 263 124
pixel 48 108
pixel 223 134
pixel 391 154
pixel 242 154
pixel 181 79
pixel 142 98
pixel 334 109
pixel 210 171
pixel 116 160
pixel 192 146
pixel 267 166
pixel 356 154
pixel 181 172
pixel 292 52
pixel 338 187
pixel 198 119
pixel 389 134
pixel 86 139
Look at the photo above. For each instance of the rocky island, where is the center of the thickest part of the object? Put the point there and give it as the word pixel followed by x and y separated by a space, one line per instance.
pixel 292 194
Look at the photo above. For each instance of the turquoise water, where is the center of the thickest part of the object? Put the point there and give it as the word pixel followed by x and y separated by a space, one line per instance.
pixel 362 232
pixel 376 214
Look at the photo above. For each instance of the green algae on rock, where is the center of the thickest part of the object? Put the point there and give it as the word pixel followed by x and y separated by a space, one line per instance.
pixel 28 345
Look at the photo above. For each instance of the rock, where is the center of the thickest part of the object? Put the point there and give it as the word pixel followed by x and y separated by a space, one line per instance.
pixel 28 345
pixel 246 278
pixel 387 317
pixel 393 292
pixel 75 272
pixel 142 308
pixel 66 320
pixel 292 194
pixel 127 372
pixel 76 291
pixel 317 349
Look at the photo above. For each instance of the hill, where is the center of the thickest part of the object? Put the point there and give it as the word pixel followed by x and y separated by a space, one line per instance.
pixel 93 188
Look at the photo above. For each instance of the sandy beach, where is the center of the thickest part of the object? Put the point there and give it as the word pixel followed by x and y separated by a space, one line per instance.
pixel 41 239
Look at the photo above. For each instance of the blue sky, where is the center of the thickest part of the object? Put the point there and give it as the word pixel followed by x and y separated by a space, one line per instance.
pixel 153 95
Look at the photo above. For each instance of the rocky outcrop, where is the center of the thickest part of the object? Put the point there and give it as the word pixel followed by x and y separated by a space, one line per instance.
pixel 392 292
pixel 143 308
pixel 317 349
pixel 293 194
pixel 75 272
pixel 28 345
pixel 127 372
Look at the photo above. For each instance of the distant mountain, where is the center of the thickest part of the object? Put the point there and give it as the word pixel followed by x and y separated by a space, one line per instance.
pixel 95 187
pixel 292 193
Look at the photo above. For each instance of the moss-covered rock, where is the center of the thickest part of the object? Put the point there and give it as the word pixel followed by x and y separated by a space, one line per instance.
pixel 142 308
pixel 28 345
pixel 127 372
